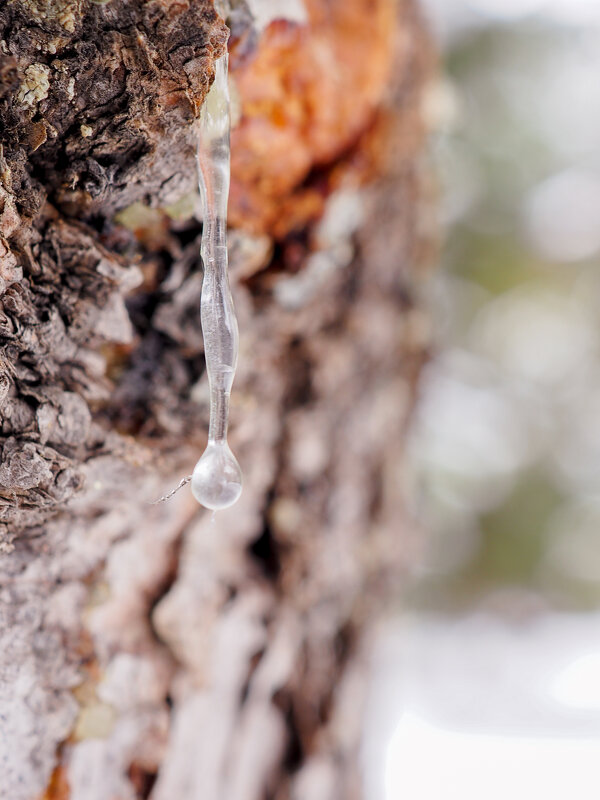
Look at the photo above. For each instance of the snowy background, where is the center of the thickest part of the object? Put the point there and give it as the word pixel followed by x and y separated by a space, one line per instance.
pixel 488 681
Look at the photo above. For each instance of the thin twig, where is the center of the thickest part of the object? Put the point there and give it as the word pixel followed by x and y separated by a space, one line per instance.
pixel 183 482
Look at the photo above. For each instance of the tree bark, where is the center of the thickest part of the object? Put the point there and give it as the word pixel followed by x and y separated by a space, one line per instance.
pixel 153 650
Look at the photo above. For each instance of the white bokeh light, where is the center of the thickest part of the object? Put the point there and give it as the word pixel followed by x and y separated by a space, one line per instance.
pixel 537 333
pixel 507 9
pixel 562 216
pixel 426 762
pixel 577 686
pixel 485 708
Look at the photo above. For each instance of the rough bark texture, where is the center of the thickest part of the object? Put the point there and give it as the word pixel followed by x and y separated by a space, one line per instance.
pixel 151 651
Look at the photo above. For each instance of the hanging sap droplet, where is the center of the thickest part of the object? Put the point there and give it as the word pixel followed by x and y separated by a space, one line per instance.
pixel 217 477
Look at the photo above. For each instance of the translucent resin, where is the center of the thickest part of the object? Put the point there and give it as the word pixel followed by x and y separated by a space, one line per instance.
pixel 217 477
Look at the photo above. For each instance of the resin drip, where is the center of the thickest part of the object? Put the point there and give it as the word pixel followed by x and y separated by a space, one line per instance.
pixel 217 477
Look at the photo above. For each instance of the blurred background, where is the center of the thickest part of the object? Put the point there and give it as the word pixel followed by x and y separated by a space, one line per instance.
pixel 487 680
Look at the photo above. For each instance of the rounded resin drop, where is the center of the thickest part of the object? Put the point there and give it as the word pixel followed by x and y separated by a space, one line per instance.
pixel 217 477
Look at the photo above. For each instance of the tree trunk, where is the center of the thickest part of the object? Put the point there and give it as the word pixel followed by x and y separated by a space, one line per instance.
pixel 153 650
